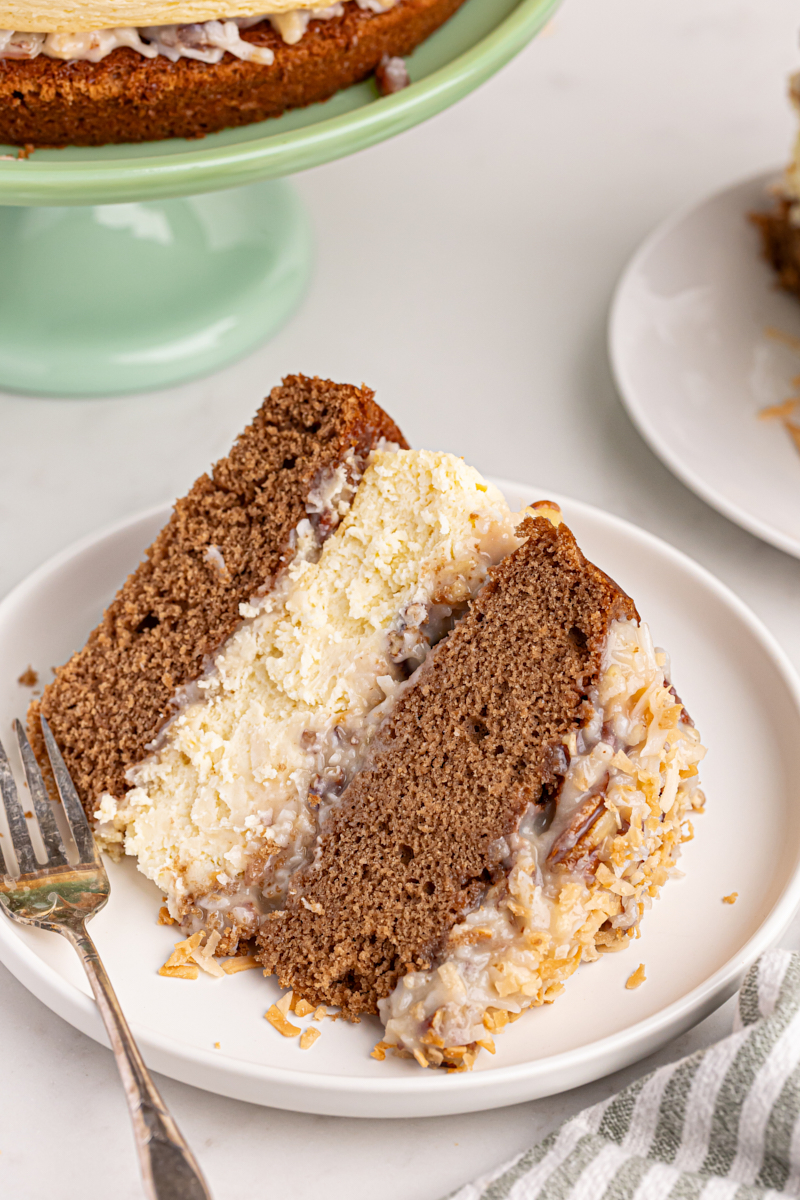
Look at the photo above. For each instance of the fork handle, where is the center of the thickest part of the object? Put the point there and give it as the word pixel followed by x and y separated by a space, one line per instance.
pixel 169 1169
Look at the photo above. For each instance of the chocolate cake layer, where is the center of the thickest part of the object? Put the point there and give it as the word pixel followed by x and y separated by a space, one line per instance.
pixel 128 98
pixel 224 543
pixel 417 835
pixel 780 244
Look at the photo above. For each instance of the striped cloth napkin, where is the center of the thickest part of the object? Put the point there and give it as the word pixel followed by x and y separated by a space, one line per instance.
pixel 723 1123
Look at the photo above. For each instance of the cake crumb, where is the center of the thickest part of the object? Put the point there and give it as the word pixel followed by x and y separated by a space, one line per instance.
pixel 163 916
pixel 278 1021
pixel 637 978
pixel 28 678
pixel 244 962
pixel 313 906
pixel 734 896
pixel 308 1037
pixel 391 75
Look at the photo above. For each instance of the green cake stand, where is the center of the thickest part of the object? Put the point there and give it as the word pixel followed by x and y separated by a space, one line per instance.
pixel 125 268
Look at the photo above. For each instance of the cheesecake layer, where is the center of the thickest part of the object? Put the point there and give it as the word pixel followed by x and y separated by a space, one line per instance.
pixel 231 801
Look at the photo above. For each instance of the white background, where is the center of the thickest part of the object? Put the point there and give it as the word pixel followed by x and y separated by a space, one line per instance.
pixel 464 270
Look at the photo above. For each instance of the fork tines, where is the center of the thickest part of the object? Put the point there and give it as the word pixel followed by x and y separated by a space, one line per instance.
pixel 56 855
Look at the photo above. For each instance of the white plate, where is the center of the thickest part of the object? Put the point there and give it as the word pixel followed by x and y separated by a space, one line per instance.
pixel 694 362
pixel 743 696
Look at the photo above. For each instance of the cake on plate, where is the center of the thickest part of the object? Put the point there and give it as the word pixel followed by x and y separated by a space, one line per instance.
pixel 411 749
pixel 88 72
pixel 780 228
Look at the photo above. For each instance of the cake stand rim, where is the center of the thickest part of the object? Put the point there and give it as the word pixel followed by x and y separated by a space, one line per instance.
pixel 191 172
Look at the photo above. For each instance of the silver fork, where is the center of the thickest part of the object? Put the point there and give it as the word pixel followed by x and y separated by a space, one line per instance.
pixel 62 898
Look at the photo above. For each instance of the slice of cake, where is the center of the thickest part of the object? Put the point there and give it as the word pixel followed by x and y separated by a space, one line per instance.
pixel 353 712
pixel 780 228
pixel 98 71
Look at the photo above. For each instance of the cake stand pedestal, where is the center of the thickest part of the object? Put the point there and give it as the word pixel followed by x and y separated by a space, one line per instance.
pixel 138 266
pixel 114 298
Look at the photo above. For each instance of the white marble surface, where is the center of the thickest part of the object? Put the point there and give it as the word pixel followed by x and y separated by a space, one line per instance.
pixel 464 270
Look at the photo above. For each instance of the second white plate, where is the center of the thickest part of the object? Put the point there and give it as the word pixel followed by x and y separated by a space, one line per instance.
pixel 701 340
pixel 745 700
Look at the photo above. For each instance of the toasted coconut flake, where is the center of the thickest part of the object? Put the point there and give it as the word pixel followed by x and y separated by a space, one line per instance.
pixel 245 962
pixel 204 956
pixel 182 955
pixel 163 916
pixel 183 950
pixel 779 411
pixel 637 978
pixel 179 971
pixel 278 1021
pixel 285 1003
pixel 208 964
pixel 320 1012
pixel 495 1019
pixel 779 335
pixel 216 1045
pixel 380 1051
pixel 301 1007
pixel 313 906
pixel 734 896
pixel 308 1037
pixel 793 429
pixel 487 1044
pixel 431 1038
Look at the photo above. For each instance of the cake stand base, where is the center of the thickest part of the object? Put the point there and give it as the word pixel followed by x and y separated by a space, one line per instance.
pixel 120 298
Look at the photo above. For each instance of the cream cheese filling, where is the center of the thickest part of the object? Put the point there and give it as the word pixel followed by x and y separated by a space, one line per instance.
pixel 231 800
pixel 205 38
pixel 579 874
